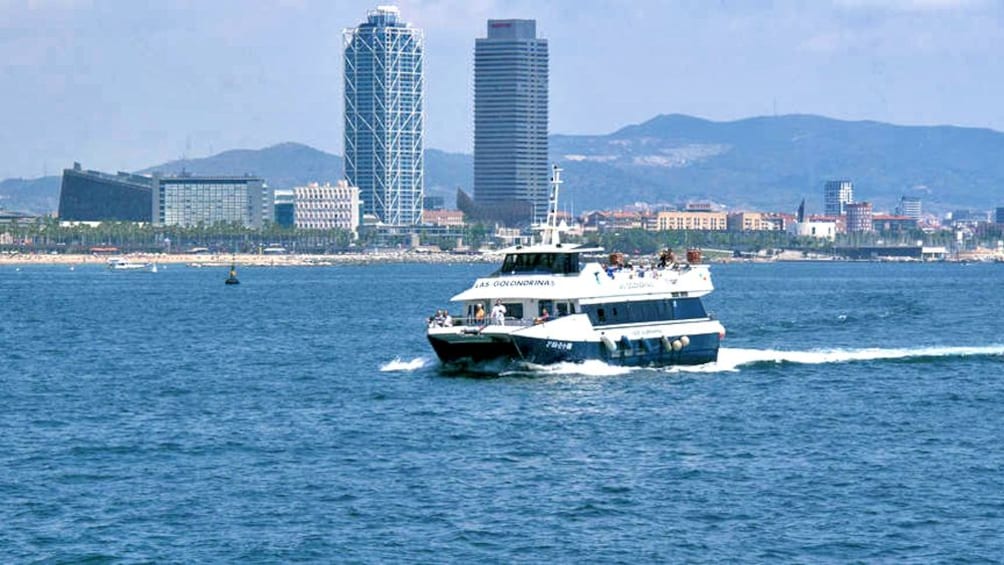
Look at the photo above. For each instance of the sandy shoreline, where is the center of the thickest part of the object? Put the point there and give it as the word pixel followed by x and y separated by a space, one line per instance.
pixel 210 260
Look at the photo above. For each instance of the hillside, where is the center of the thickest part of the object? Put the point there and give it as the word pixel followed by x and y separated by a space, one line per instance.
pixel 293 164
pixel 766 163
pixel 772 162
pixel 36 196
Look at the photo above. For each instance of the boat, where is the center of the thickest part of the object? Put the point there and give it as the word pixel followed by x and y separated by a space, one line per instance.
pixel 119 264
pixel 552 302
pixel 232 279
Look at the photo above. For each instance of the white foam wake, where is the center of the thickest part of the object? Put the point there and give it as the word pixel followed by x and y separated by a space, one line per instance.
pixel 592 368
pixel 731 359
pixel 399 365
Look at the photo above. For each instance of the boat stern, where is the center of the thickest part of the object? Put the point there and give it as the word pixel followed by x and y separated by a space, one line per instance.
pixel 471 344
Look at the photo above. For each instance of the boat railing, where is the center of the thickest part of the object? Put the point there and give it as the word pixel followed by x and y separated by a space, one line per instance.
pixel 471 321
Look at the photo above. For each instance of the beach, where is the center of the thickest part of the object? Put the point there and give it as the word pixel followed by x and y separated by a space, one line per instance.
pixel 247 259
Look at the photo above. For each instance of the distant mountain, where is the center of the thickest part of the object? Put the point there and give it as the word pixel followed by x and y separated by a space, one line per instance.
pixel 770 163
pixel 293 164
pixel 766 163
pixel 36 196
pixel 282 166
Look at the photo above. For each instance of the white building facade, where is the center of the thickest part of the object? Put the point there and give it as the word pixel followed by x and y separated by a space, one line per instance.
pixel 325 207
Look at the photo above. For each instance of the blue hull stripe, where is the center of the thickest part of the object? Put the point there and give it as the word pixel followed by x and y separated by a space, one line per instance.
pixel 702 349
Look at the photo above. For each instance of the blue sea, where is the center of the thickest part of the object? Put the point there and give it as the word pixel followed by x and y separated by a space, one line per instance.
pixel 856 414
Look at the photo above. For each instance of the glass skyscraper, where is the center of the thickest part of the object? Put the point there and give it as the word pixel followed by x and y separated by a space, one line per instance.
pixel 510 121
pixel 383 116
pixel 837 194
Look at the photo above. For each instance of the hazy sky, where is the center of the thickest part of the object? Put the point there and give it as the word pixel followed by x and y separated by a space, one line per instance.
pixel 123 84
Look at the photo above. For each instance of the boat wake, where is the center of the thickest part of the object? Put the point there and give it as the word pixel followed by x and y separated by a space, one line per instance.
pixel 397 365
pixel 593 368
pixel 731 359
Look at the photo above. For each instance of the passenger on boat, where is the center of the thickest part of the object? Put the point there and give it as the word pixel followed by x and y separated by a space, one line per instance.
pixel 544 316
pixel 447 319
pixel 667 258
pixel 479 313
pixel 498 313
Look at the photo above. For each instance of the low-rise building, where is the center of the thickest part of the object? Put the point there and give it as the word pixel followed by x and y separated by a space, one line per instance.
pixel 859 216
pixel 821 229
pixel 751 221
pixel 327 207
pixel 189 200
pixel 893 224
pixel 703 221
pixel 453 218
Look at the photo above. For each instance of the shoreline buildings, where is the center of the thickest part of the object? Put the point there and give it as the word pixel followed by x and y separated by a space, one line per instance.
pixel 384 116
pixel 173 200
pixel 510 122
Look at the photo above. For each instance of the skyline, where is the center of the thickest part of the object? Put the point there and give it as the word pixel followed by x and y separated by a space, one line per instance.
pixel 226 77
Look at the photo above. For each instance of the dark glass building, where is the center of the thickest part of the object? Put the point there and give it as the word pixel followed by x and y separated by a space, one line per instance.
pixel 510 119
pixel 433 203
pixel 92 196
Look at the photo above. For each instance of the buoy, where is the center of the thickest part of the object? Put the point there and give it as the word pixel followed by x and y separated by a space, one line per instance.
pixel 677 345
pixel 667 344
pixel 611 346
pixel 721 334
pixel 685 341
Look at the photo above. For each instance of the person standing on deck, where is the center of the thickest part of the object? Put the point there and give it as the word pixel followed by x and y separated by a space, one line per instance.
pixel 498 313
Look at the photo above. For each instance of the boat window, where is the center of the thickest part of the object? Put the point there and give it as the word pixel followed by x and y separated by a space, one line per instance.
pixel 513 310
pixel 645 311
pixel 688 308
pixel 562 308
pixel 540 263
pixel 545 304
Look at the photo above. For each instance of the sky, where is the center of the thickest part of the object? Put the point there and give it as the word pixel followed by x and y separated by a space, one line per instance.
pixel 125 84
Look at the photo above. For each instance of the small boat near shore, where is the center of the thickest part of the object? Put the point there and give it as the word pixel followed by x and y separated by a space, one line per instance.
pixel 119 264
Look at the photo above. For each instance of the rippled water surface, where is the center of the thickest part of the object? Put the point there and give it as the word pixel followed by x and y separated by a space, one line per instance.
pixel 855 414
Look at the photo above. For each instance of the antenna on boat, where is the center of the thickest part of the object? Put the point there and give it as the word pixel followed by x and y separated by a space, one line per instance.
pixel 550 228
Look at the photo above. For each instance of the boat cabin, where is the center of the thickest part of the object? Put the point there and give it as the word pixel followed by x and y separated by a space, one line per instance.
pixel 523 312
pixel 539 263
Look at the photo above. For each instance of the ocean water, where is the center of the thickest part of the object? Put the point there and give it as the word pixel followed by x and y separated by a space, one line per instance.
pixel 856 414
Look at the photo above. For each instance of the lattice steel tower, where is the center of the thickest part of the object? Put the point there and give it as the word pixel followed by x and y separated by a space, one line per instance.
pixel 383 116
